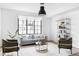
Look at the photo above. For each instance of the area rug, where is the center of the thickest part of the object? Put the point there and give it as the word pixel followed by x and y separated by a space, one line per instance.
pixel 75 54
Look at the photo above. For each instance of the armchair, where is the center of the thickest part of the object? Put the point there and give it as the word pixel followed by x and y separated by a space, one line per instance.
pixel 67 44
pixel 9 46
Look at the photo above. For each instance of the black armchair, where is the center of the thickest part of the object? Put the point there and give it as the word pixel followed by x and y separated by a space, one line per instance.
pixel 9 46
pixel 67 44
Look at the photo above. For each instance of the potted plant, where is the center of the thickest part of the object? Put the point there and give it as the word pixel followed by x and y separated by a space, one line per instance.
pixel 12 36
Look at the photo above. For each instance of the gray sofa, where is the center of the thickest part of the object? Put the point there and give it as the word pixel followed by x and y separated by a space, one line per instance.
pixel 30 39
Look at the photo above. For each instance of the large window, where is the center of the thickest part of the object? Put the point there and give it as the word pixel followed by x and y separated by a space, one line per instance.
pixel 29 25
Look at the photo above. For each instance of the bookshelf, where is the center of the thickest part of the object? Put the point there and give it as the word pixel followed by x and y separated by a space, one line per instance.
pixel 64 28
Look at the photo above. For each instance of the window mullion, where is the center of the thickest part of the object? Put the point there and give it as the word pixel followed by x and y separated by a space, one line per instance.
pixel 34 26
pixel 26 26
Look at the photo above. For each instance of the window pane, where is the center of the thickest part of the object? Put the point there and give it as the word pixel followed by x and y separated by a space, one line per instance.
pixel 28 31
pixel 30 27
pixel 24 32
pixel 20 25
pixel 38 31
pixel 39 23
pixel 20 30
pixel 24 23
pixel 32 31
pixel 36 27
pixel 30 22
pixel 24 28
pixel 36 23
pixel 20 21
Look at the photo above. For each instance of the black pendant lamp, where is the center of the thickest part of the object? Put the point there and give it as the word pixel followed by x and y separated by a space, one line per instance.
pixel 42 10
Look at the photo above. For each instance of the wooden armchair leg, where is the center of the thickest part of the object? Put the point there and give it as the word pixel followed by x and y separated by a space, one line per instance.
pixel 71 51
pixel 2 54
pixel 17 53
pixel 59 50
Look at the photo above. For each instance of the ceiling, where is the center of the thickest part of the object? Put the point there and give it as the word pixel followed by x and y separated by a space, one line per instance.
pixel 51 8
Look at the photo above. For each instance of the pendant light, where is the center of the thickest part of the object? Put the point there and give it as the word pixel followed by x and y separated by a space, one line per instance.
pixel 42 10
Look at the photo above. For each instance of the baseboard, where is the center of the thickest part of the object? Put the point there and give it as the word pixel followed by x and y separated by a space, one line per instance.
pixel 52 41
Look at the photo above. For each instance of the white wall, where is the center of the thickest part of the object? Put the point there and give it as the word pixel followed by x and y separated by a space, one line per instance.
pixel 74 16
pixel 46 23
pixel 0 28
pixel 54 30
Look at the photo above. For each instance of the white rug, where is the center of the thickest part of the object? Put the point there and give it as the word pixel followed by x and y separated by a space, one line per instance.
pixel 31 51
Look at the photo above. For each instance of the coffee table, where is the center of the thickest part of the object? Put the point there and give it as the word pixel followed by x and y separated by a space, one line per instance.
pixel 41 46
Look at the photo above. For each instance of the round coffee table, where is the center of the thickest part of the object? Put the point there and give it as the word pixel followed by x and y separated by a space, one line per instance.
pixel 41 46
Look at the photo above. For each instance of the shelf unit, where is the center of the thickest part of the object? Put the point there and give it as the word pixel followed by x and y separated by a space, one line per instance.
pixel 64 28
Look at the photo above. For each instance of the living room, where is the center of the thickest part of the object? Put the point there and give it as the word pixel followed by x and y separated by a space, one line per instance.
pixel 22 22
